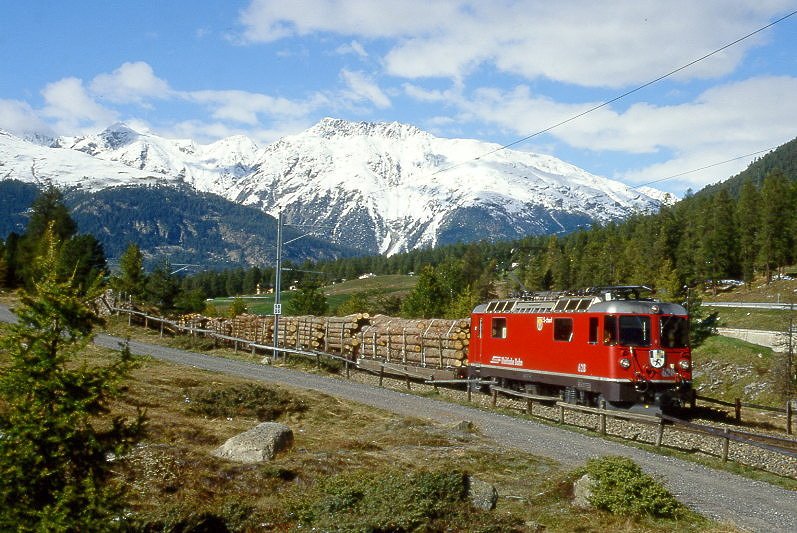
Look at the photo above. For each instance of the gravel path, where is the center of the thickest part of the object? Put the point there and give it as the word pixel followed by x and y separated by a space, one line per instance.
pixel 726 497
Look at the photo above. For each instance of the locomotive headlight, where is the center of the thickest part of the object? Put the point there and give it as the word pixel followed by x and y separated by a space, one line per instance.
pixel 684 364
pixel 625 362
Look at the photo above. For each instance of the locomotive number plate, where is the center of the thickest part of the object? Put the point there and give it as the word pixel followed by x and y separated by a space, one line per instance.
pixel 582 367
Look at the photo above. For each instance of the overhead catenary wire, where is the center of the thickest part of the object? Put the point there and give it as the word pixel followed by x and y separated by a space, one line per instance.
pixel 718 163
pixel 621 96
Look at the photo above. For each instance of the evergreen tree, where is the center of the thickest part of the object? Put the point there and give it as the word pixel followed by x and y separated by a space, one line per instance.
pixel 238 307
pixel 48 209
pixel 132 278
pixel 776 217
pixel 57 439
pixel 718 240
pixel 83 259
pixel 427 299
pixel 309 300
pixel 747 223
pixel 3 264
pixel 12 277
pixel 189 301
pixel 463 304
pixel 668 285
pixel 161 288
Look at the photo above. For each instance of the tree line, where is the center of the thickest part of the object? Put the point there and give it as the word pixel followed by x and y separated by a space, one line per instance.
pixel 697 242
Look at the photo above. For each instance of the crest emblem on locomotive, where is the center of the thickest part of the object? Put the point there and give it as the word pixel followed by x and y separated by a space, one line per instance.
pixel 657 358
pixel 540 322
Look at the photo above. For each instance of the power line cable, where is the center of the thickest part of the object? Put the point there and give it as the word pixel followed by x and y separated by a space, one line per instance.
pixel 616 98
pixel 704 167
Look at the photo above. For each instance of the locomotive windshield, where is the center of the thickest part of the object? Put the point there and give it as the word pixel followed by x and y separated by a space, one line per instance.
pixel 634 330
pixel 674 332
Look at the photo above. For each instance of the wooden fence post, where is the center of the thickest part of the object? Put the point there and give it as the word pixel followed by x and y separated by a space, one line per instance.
pixel 381 374
pixel 660 433
pixel 788 416
pixel 495 397
pixel 725 442
pixel 602 418
pixel 738 408
pixel 561 414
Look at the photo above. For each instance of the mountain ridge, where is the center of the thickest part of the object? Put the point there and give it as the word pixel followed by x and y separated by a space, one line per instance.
pixel 378 186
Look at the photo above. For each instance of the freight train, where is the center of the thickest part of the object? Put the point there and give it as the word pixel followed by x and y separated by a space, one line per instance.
pixel 604 344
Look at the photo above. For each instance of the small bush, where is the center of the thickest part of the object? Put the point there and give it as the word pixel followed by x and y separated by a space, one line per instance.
pixel 247 400
pixel 390 500
pixel 622 488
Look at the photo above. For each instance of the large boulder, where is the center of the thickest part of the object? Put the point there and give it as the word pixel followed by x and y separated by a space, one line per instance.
pixel 261 443
pixel 582 492
pixel 481 494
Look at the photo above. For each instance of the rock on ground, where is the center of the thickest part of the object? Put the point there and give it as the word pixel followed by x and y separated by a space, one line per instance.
pixel 582 492
pixel 481 494
pixel 261 443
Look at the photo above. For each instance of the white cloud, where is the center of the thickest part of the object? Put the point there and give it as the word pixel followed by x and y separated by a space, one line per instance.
pixel 245 107
pixel 21 119
pixel 354 47
pixel 72 108
pixel 721 123
pixel 130 83
pixel 361 87
pixel 207 132
pixel 581 42
pixel 271 20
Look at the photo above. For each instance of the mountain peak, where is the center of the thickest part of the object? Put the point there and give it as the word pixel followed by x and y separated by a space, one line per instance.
pixel 118 134
pixel 335 127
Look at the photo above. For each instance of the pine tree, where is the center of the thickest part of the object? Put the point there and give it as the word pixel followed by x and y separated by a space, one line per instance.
pixel 747 222
pixel 161 288
pixel 309 300
pixel 776 217
pixel 427 299
pixel 718 241
pixel 132 278
pixel 57 438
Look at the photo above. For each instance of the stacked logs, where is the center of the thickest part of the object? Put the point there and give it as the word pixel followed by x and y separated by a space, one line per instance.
pixel 421 342
pixel 428 342
pixel 341 333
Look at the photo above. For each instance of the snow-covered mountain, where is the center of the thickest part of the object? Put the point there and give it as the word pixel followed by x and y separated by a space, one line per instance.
pixel 382 187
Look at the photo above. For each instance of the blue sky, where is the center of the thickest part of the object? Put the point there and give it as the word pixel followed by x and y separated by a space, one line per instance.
pixel 494 70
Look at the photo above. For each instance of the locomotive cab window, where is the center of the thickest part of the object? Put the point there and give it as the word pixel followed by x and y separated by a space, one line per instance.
pixel 593 330
pixel 674 332
pixel 499 328
pixel 563 329
pixel 610 330
pixel 635 330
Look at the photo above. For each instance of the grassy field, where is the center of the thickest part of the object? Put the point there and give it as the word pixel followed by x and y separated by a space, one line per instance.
pixel 779 291
pixel 742 318
pixel 392 285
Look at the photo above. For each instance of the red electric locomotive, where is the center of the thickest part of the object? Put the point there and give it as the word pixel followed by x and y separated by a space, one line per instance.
pixel 599 344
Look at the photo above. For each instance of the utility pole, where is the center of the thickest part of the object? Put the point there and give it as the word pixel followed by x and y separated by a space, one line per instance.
pixel 277 287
